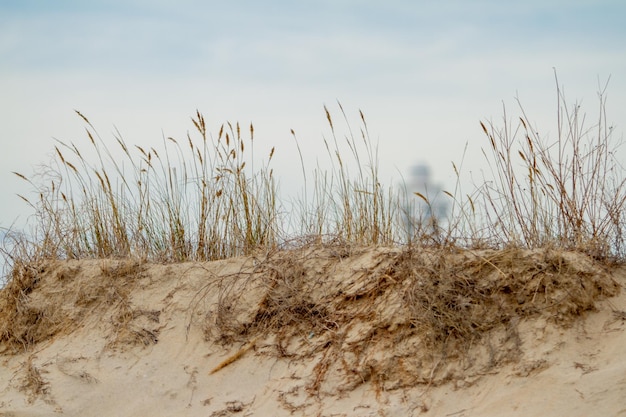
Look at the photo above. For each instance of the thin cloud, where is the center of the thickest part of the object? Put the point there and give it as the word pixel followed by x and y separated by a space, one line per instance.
pixel 424 72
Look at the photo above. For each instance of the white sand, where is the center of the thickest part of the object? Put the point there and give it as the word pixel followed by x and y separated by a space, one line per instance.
pixel 92 369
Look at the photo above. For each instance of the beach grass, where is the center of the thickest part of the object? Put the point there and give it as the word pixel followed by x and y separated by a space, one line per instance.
pixel 205 197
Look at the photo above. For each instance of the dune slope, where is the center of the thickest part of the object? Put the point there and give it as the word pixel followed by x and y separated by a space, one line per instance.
pixel 319 331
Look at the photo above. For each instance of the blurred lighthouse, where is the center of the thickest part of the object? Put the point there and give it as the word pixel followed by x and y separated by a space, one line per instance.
pixel 426 208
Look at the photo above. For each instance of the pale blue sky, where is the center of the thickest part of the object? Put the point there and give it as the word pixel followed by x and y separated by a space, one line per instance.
pixel 423 72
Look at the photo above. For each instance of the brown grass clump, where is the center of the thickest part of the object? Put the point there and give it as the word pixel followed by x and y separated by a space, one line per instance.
pixel 33 382
pixel 467 294
pixel 23 323
pixel 40 303
pixel 402 316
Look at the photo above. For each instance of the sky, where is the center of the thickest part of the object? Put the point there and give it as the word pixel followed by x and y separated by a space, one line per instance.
pixel 424 73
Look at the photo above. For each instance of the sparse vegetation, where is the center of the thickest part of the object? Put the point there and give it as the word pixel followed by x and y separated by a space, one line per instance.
pixel 504 254
pixel 200 198
pixel 569 192
pixel 193 199
pixel 33 382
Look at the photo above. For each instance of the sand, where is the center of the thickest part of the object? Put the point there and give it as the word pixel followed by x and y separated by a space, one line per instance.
pixel 128 338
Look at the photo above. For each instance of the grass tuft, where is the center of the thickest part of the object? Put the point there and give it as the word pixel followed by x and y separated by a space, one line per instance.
pixel 568 192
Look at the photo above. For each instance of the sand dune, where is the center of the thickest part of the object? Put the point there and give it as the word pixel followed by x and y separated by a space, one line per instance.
pixel 328 331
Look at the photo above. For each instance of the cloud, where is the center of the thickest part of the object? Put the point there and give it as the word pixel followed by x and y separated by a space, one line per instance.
pixel 424 72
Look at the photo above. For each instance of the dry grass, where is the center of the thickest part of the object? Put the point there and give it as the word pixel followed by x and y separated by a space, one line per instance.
pixel 194 199
pixel 389 316
pixel 234 357
pixel 568 192
pixel 422 310
pixel 534 240
pixel 20 323
pixel 31 311
pixel 352 208
pixel 205 198
pixel 202 198
pixel 33 382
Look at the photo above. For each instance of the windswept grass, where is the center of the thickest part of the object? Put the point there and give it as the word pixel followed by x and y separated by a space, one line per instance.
pixel 190 200
pixel 201 198
pixel 205 198
pixel 569 191
pixel 354 208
